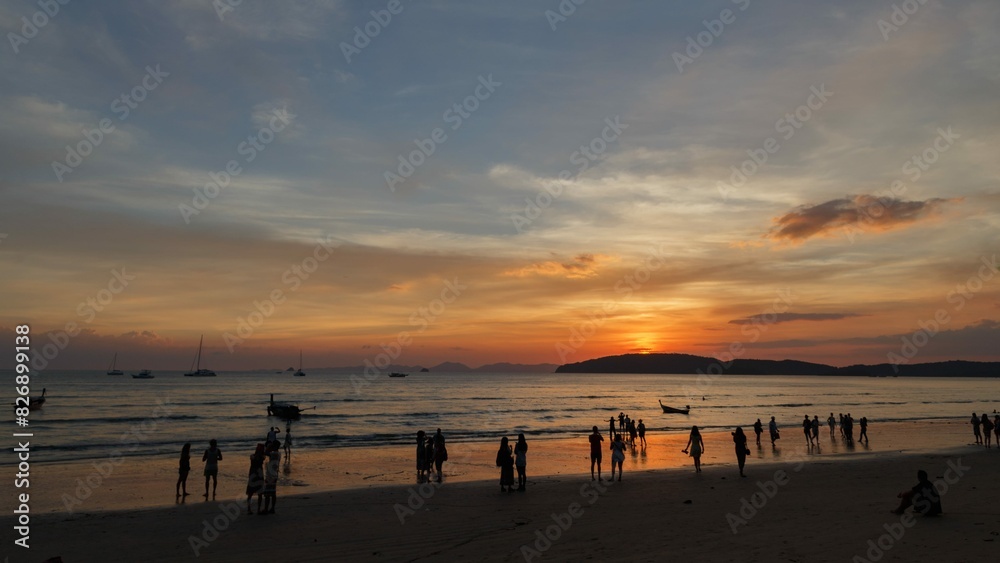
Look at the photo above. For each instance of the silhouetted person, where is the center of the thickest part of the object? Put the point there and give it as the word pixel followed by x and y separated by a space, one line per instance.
pixel 642 433
pixel 848 427
pixel 923 497
pixel 272 436
pixel 611 431
pixel 288 442
pixel 696 446
pixel 506 464
pixel 521 461
pixel 975 428
pixel 595 453
pixel 772 428
pixel 864 429
pixel 617 456
pixel 422 465
pixel 621 422
pixel 987 430
pixel 758 429
pixel 840 420
pixel 271 479
pixel 255 477
pixel 807 429
pixel 632 432
pixel 440 453
pixel 815 428
pixel 429 455
pixel 211 458
pixel 832 422
pixel 740 442
pixel 996 428
pixel 184 469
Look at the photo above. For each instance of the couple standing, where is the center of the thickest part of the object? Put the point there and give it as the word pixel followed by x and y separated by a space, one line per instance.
pixel 507 459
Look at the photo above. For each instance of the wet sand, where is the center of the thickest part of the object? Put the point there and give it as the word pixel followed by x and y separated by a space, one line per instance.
pixel 821 510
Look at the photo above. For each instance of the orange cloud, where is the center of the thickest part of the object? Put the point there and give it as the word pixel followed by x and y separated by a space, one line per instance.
pixel 581 266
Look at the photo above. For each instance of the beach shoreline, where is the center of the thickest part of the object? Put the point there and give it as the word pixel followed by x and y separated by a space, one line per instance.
pixel 837 504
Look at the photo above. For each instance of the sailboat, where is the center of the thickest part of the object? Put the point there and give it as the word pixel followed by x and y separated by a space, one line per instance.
pixel 198 371
pixel 300 373
pixel 111 368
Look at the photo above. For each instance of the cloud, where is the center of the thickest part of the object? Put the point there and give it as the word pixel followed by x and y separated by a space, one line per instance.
pixel 788 317
pixel 853 213
pixel 581 266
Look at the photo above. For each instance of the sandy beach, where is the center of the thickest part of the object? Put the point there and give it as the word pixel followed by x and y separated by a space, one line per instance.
pixel 797 508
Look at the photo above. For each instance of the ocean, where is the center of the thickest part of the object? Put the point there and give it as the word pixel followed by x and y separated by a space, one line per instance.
pixel 88 415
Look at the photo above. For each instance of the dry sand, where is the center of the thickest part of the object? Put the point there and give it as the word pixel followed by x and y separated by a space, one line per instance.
pixel 827 509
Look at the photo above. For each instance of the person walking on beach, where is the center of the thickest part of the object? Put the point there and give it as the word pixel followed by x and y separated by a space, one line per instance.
pixel 740 442
pixel 184 469
pixel 807 429
pixel 975 428
pixel 987 430
pixel 255 477
pixel 848 427
pixel 864 429
pixel 772 428
pixel 271 479
pixel 758 429
pixel 617 456
pixel 642 434
pixel 595 453
pixel 923 497
pixel 422 465
pixel 506 464
pixel 288 443
pixel 832 422
pixel 840 419
pixel 815 428
pixel 521 461
pixel 632 432
pixel 621 423
pixel 212 458
pixel 611 431
pixel 696 446
pixel 429 456
pixel 440 453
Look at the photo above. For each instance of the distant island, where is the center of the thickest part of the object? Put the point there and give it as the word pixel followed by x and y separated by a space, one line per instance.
pixel 690 364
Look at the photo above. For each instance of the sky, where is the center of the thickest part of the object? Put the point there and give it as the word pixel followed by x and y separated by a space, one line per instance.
pixel 526 181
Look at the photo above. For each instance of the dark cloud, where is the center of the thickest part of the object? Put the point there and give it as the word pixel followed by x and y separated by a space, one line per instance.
pixel 776 318
pixel 851 215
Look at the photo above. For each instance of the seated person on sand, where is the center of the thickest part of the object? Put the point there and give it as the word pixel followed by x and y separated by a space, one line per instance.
pixel 923 497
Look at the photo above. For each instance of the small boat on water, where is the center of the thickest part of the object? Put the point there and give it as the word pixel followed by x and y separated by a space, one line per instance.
pixel 144 374
pixel 672 410
pixel 397 374
pixel 299 372
pixel 286 411
pixel 35 404
pixel 198 371
pixel 112 370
